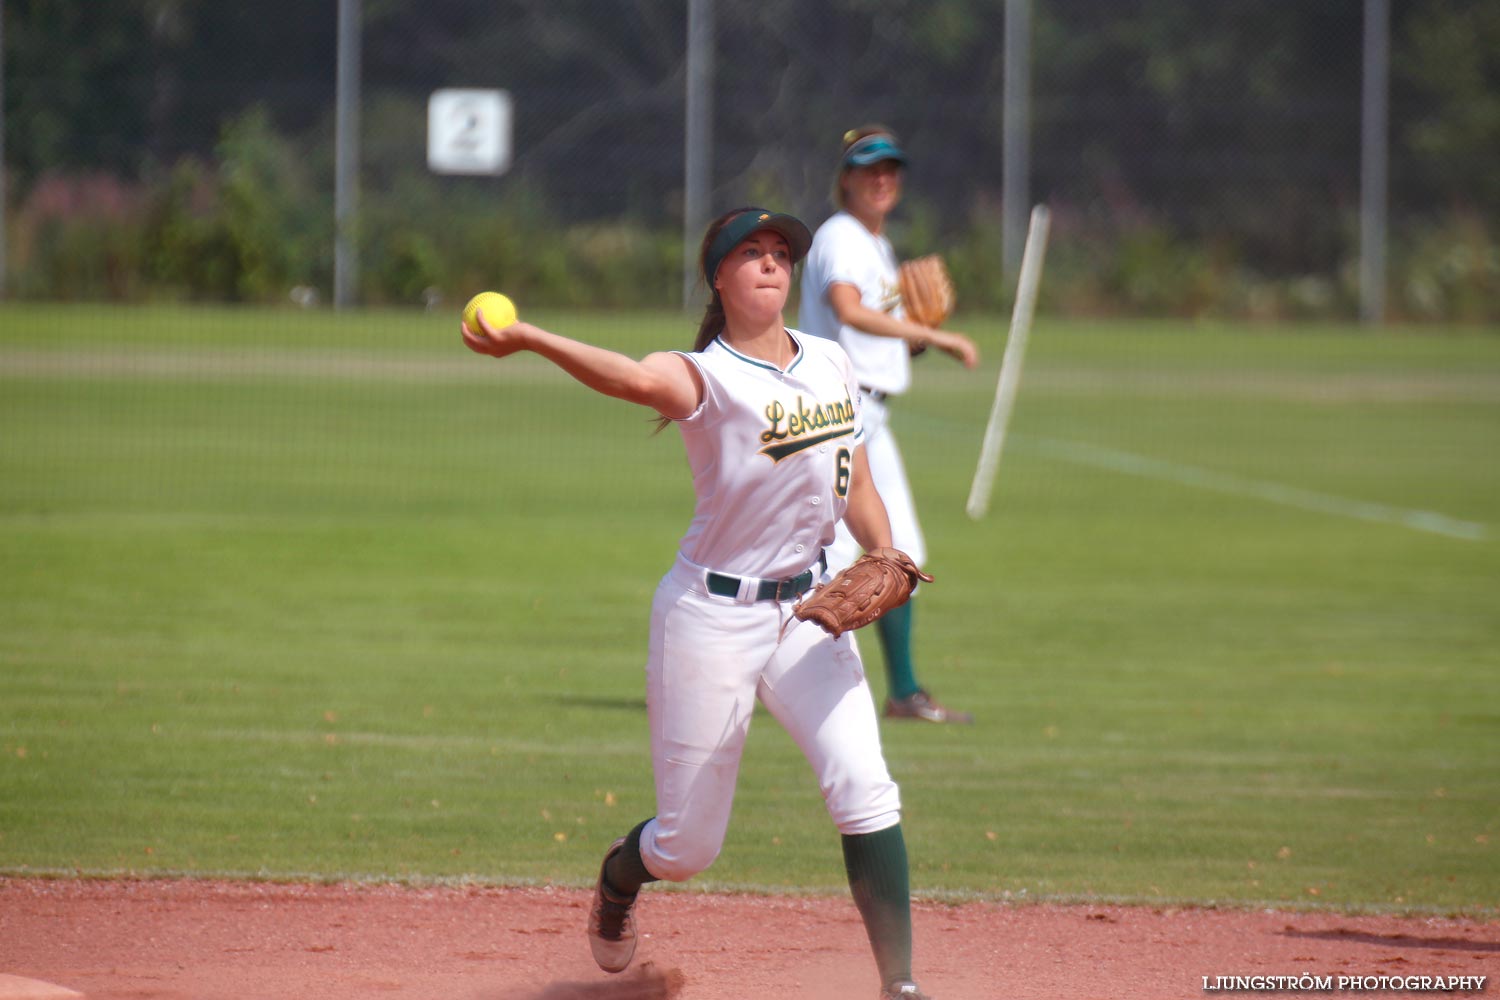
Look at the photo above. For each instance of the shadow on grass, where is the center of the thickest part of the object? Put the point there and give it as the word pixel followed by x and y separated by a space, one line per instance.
pixel 593 701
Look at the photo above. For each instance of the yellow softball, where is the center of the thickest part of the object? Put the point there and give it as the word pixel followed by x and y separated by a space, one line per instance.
pixel 499 311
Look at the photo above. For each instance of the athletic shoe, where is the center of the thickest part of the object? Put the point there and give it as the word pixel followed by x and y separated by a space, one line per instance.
pixel 611 929
pixel 925 707
pixel 905 990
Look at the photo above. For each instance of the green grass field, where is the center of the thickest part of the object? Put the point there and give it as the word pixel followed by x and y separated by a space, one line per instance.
pixel 292 594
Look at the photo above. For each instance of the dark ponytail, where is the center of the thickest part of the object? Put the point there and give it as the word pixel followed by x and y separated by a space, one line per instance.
pixel 713 322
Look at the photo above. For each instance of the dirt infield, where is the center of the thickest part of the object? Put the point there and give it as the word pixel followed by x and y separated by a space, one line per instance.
pixel 202 940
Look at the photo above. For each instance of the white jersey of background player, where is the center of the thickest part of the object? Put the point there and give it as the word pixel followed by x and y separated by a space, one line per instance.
pixel 851 293
pixel 771 423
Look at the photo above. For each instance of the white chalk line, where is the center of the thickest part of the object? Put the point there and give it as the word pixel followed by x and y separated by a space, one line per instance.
pixel 1146 467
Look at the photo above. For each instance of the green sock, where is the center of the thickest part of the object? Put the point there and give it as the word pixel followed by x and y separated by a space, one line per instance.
pixel 895 639
pixel 881 886
pixel 626 872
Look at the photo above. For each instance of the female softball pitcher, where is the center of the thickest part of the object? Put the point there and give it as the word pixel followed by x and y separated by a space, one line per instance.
pixel 771 422
pixel 851 294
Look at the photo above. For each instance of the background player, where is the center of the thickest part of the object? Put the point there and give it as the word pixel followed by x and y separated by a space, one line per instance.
pixel 851 294
pixel 770 419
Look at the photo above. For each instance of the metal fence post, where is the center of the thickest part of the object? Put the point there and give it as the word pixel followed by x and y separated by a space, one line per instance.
pixel 1374 152
pixel 1015 152
pixel 346 166
pixel 698 142
pixel 2 149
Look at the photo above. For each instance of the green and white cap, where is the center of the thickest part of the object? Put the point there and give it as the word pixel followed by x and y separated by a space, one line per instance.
pixel 873 149
pixel 753 220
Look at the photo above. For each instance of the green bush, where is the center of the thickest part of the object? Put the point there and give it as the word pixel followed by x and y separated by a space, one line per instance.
pixel 187 248
pixel 277 225
pixel 1450 271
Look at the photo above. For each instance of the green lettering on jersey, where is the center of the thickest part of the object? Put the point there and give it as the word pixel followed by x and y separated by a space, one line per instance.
pixel 790 432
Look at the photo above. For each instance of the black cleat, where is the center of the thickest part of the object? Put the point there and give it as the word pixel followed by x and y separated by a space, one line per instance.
pixel 611 928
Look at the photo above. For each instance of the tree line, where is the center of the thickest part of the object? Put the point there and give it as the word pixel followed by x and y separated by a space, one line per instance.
pixel 1198 157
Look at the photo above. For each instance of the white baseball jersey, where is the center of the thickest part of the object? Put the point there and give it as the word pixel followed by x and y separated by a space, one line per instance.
pixel 770 453
pixel 844 251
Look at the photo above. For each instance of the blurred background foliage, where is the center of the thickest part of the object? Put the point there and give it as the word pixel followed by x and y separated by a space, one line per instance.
pixel 1200 159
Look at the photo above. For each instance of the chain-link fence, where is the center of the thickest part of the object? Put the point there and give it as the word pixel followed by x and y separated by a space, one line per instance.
pixel 1200 159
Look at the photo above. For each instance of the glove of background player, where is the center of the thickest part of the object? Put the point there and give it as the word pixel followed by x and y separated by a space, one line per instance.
pixel 873 584
pixel 926 290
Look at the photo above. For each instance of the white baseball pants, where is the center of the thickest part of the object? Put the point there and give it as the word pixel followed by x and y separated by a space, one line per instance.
pixel 710 659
